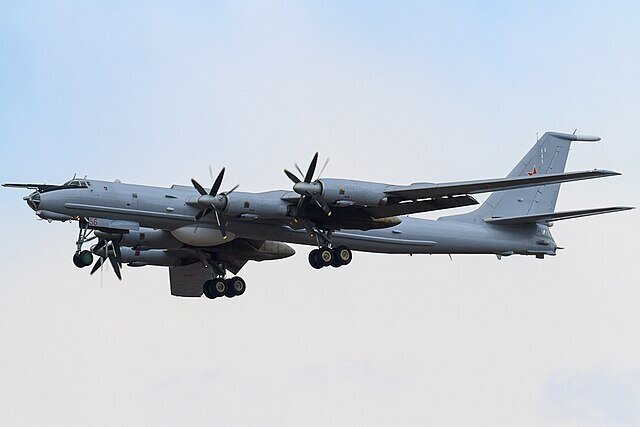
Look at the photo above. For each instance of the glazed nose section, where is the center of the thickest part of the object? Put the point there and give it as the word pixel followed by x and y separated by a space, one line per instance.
pixel 33 200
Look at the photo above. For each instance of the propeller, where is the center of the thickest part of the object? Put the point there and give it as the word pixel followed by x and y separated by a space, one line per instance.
pixel 213 201
pixel 308 189
pixel 113 244
pixel 113 256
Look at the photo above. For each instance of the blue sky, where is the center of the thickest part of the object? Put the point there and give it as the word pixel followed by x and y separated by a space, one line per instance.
pixel 154 92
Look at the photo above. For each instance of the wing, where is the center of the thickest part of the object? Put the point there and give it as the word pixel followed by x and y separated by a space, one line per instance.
pixel 428 190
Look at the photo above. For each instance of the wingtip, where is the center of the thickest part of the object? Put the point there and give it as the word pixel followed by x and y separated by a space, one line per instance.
pixel 607 172
pixel 574 137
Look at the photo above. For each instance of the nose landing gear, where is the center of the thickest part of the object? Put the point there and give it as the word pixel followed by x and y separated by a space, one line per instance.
pixel 83 258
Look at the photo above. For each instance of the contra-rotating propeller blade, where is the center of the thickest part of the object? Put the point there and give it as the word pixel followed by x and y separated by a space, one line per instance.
pixel 112 253
pixel 292 177
pixel 309 189
pixel 97 265
pixel 312 168
pixel 116 267
pixel 211 202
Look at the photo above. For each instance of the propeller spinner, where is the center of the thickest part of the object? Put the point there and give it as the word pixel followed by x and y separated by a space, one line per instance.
pixel 212 201
pixel 308 189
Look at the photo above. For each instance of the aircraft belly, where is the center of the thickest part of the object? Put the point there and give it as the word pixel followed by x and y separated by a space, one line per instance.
pixel 413 236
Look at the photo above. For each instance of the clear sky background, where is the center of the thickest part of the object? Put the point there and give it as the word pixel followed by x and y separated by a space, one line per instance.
pixel 154 92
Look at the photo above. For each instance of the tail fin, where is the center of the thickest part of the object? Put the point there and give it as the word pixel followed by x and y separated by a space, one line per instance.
pixel 548 155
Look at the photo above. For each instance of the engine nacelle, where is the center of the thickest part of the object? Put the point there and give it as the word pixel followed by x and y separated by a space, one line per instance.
pixel 348 192
pixel 262 205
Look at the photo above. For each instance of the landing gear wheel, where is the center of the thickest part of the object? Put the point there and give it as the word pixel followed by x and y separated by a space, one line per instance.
pixel 219 287
pixel 229 292
pixel 325 256
pixel 343 254
pixel 82 259
pixel 77 261
pixel 236 286
pixel 86 258
pixel 208 289
pixel 314 259
pixel 336 261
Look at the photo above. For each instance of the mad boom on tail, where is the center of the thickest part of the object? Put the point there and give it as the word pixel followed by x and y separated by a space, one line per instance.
pixel 202 234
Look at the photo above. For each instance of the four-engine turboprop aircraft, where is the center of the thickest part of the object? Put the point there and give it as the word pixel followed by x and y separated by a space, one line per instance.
pixel 202 234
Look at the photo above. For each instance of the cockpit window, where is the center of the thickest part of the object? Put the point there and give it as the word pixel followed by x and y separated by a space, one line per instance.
pixel 80 183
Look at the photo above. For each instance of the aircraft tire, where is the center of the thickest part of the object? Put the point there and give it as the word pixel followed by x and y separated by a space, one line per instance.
pixel 77 261
pixel 207 288
pixel 229 292
pixel 325 256
pixel 218 287
pixel 314 259
pixel 343 254
pixel 237 286
pixel 86 258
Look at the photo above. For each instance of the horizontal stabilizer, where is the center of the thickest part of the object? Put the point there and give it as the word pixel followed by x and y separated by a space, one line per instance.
pixel 553 216
pixel 427 190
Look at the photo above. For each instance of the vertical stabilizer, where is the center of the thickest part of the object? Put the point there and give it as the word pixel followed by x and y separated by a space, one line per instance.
pixel 548 155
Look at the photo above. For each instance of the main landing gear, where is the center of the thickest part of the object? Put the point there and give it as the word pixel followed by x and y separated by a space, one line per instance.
pixel 326 255
pixel 220 287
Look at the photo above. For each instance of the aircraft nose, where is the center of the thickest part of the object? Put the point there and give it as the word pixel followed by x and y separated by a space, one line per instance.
pixel 33 200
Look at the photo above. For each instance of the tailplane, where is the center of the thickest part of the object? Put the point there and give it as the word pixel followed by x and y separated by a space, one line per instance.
pixel 553 216
pixel 549 155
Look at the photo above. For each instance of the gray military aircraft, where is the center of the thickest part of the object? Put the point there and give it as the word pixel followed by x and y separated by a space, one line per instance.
pixel 201 234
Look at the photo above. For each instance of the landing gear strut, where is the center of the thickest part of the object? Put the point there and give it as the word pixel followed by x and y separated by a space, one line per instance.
pixel 326 255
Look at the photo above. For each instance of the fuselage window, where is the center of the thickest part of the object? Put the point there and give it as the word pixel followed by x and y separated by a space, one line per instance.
pixel 134 195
